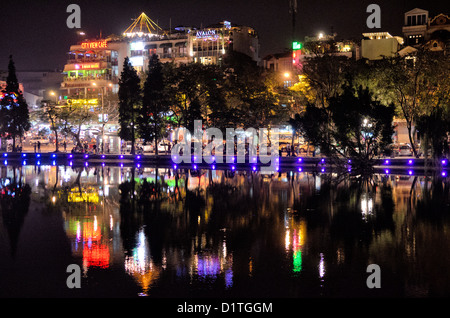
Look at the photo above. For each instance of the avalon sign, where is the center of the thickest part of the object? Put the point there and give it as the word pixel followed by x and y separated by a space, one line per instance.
pixel 206 34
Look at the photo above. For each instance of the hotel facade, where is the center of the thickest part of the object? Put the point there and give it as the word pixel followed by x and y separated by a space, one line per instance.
pixel 91 74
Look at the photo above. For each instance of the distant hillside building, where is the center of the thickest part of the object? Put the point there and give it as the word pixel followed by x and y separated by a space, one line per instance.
pixel 378 45
pixel 420 29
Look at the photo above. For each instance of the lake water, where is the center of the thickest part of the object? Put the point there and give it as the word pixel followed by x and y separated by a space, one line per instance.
pixel 220 233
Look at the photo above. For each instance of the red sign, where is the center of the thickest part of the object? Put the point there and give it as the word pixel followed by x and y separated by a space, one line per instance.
pixel 87 66
pixel 95 45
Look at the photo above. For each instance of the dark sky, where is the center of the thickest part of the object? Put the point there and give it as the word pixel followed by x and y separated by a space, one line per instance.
pixel 35 31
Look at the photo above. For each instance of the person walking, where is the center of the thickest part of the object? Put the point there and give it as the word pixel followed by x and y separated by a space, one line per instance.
pixel 39 146
pixel 65 146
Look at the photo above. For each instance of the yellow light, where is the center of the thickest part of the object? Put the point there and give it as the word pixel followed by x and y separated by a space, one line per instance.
pixel 95 84
pixel 53 199
pixel 52 93
pixel 287 74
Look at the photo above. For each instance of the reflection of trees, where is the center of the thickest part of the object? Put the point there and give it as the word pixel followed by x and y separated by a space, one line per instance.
pixel 434 206
pixel 14 202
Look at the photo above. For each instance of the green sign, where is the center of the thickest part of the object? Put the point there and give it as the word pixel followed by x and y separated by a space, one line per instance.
pixel 297 45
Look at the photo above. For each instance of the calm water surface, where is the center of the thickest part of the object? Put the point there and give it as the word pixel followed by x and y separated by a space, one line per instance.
pixel 220 234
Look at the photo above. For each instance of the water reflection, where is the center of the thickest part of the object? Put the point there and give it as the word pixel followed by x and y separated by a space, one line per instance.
pixel 165 232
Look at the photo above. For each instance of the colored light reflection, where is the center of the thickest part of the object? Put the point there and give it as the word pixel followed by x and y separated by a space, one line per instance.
pixel 298 241
pixel 140 265
pixel 95 253
pixel 207 266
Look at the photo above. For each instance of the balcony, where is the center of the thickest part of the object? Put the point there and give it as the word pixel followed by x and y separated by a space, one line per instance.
pixel 87 81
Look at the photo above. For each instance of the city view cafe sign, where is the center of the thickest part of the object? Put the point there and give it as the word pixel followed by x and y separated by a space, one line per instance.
pixel 102 44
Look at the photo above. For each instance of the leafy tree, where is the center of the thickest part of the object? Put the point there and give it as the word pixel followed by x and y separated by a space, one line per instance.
pixel 353 125
pixel 14 115
pixel 72 118
pixel 129 102
pixel 325 76
pixel 418 82
pixel 51 113
pixel 155 104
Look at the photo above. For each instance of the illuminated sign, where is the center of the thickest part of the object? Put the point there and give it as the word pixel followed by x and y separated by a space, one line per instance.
pixel 95 45
pixel 137 46
pixel 297 45
pixel 87 66
pixel 206 34
pixel 83 102
pixel 137 60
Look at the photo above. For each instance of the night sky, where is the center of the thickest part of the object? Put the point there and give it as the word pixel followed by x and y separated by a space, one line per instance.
pixel 35 32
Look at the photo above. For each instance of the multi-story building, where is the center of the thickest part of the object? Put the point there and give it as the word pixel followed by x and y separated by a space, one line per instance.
pixel 94 66
pixel 378 45
pixel 100 61
pixel 420 29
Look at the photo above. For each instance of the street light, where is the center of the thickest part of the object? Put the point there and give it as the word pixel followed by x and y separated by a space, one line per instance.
pixel 53 94
pixel 287 75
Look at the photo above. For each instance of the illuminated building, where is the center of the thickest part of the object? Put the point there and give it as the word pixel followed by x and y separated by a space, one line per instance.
pixel 378 45
pixel 420 29
pixel 93 67
pixel 100 61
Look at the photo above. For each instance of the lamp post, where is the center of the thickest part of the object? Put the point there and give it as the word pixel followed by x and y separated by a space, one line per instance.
pixel 53 94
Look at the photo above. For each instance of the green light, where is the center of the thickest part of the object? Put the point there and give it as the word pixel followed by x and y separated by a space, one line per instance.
pixel 297 45
pixel 297 261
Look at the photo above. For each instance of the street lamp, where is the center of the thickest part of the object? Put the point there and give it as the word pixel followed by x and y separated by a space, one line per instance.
pixel 53 94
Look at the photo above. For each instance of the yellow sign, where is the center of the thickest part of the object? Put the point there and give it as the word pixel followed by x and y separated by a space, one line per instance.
pixel 87 196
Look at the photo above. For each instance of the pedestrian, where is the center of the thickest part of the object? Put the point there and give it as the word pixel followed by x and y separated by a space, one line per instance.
pixel 65 146
pixel 39 146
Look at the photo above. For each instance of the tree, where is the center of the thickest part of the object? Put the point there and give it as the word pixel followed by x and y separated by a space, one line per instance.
pixel 14 115
pixel 325 76
pixel 155 104
pixel 353 125
pixel 418 82
pixel 51 112
pixel 130 101
pixel 72 118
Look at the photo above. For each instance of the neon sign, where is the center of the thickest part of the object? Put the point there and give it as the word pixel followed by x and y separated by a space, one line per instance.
pixel 297 45
pixel 87 66
pixel 95 45
pixel 206 34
